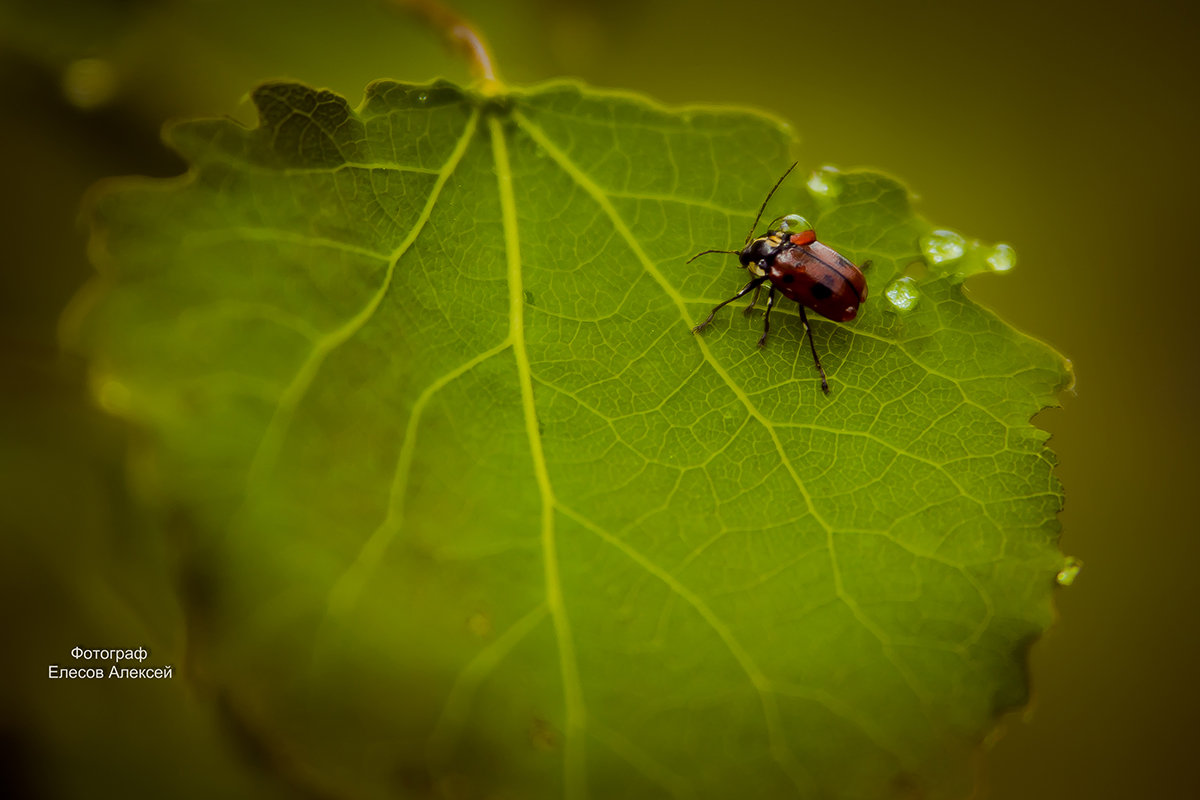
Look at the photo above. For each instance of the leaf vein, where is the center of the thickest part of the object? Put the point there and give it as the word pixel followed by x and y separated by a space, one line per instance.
pixel 272 439
pixel 345 592
pixel 574 763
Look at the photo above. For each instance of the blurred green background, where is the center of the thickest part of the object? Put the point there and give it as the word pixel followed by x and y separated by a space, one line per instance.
pixel 1067 129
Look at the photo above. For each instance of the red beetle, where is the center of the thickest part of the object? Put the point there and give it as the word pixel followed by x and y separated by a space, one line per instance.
pixel 801 269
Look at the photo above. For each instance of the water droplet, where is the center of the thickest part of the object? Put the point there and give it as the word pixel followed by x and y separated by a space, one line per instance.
pixel 1002 258
pixel 791 223
pixel 825 182
pixel 421 98
pixel 903 294
pixel 89 83
pixel 1069 572
pixel 529 297
pixel 943 247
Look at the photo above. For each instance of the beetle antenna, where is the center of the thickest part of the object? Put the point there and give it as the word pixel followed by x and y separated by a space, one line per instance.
pixel 763 207
pixel 706 252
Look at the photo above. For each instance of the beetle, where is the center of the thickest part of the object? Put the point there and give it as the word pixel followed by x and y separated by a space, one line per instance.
pixel 800 268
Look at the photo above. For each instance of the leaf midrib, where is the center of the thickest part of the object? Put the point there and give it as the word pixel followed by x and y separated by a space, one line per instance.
pixel 575 765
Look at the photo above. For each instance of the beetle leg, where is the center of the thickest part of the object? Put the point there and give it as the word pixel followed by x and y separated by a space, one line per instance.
pixel 816 359
pixel 767 316
pixel 753 300
pixel 754 284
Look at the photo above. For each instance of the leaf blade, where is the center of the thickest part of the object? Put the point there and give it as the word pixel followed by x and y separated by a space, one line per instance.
pixel 455 333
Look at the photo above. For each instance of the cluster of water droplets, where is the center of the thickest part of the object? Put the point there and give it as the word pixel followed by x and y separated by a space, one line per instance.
pixel 944 252
pixel 947 252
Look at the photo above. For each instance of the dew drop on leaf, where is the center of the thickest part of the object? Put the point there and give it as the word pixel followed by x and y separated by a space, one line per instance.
pixel 903 294
pixel 825 182
pixel 794 222
pixel 943 247
pixel 1069 572
pixel 1002 258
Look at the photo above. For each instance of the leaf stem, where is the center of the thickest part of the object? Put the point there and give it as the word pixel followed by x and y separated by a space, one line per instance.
pixel 460 35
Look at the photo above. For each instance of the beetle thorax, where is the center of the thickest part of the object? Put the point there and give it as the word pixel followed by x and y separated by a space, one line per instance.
pixel 757 255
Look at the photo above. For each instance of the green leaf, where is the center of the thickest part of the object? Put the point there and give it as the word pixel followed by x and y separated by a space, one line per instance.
pixel 469 510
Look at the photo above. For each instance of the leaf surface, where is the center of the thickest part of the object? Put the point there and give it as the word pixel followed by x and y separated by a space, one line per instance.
pixel 469 510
